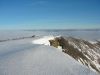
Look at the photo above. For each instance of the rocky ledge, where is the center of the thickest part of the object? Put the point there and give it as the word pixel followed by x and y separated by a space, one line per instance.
pixel 85 52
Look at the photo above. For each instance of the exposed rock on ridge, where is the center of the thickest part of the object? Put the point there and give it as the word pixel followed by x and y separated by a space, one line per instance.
pixel 83 51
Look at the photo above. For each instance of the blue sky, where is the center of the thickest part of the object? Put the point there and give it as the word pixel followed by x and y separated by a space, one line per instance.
pixel 49 14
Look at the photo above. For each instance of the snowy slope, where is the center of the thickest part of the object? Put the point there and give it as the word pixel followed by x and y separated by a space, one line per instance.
pixel 43 40
pixel 90 50
pixel 85 52
pixel 21 57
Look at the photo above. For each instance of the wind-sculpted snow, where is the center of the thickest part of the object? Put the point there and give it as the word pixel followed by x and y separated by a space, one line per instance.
pixel 21 57
pixel 44 40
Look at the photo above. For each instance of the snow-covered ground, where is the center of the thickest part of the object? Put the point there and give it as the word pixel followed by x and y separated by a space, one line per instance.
pixel 34 56
pixel 80 46
pixel 21 57
pixel 44 40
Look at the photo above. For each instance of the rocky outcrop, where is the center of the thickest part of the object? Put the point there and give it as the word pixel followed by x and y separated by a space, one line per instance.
pixel 83 51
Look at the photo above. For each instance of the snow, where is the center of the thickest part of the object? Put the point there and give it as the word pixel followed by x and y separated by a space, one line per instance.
pixel 92 42
pixel 21 57
pixel 60 47
pixel 44 40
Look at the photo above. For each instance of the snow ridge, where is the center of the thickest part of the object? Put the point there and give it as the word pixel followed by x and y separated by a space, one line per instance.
pixel 85 52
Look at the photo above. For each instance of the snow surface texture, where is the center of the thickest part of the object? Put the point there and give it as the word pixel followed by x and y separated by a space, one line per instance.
pixel 44 40
pixel 92 57
pixel 91 50
pixel 21 57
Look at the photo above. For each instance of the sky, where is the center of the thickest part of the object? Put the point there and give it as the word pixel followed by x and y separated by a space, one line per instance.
pixel 49 14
